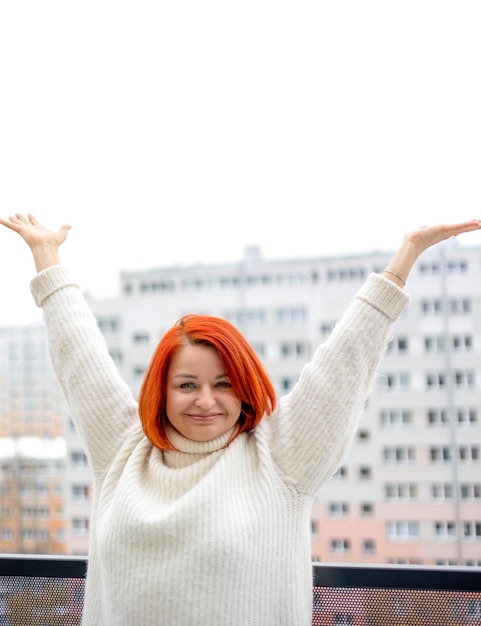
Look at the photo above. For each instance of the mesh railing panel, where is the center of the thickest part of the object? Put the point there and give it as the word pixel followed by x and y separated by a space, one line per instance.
pixel 49 591
pixel 41 601
pixel 395 607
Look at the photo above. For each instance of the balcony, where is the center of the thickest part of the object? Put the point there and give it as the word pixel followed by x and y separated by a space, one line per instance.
pixel 49 591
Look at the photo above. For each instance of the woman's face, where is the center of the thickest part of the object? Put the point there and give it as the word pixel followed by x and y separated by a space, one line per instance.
pixel 201 403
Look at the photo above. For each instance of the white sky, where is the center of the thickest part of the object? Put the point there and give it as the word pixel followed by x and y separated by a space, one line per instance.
pixel 177 132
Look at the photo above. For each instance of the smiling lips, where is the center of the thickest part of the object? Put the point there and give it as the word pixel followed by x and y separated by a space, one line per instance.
pixel 198 417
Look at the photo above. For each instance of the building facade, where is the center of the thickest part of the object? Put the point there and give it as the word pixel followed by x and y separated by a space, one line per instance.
pixel 45 483
pixel 32 506
pixel 409 490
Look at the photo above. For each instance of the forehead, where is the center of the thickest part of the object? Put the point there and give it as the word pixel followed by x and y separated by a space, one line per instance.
pixel 195 358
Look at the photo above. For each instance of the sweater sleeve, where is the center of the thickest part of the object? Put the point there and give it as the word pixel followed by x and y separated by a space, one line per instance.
pixel 311 431
pixel 101 404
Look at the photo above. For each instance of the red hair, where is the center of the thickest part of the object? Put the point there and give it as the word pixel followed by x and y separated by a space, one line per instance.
pixel 247 374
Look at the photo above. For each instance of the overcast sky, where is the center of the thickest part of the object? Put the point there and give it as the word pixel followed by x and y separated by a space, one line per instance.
pixel 180 132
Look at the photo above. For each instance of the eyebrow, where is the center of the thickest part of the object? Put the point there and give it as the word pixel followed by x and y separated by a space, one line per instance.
pixel 182 375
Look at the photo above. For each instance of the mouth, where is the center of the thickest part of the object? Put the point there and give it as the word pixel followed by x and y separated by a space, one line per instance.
pixel 203 418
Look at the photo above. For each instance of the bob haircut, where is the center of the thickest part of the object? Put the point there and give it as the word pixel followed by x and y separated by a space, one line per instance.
pixel 247 375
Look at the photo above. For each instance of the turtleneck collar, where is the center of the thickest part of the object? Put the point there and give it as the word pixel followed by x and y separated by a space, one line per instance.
pixel 188 451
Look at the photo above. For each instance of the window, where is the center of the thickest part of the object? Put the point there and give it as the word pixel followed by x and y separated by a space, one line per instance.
pixel 109 325
pixel 444 530
pixel 338 509
pixel 459 306
pixel 28 534
pixel 287 384
pixel 399 454
pixel 363 436
pixel 467 416
pixel 468 453
pixel 367 508
pixel 455 306
pixel 341 472
pixel 369 546
pixel 294 349
pixel 79 459
pixel 253 317
pixel 437 417
pixel 80 526
pixel 395 381
pixel 436 381
pixel 401 491
pixel 462 343
pixel 472 530
pixel 430 307
pixel 326 328
pixel 429 268
pixel 340 546
pixel 80 492
pixel 365 472
pixel 471 491
pixel 435 344
pixel 156 286
pixel 291 316
pixel 399 345
pixel 440 453
pixel 395 417
pixel 442 491
pixel 346 273
pixel 6 534
pixel 464 379
pixel 140 338
pixel 402 529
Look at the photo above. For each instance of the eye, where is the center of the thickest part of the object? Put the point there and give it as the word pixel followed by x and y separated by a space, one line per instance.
pixel 224 384
pixel 187 386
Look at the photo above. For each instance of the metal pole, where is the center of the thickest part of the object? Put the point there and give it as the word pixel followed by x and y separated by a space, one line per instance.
pixel 450 405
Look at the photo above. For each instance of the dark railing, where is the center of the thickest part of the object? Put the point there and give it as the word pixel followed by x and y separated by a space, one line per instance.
pixel 48 591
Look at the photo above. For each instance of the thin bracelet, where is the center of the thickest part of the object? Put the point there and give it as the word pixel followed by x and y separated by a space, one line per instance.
pixel 396 275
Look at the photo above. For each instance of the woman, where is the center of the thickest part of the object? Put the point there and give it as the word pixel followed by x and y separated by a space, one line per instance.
pixel 201 507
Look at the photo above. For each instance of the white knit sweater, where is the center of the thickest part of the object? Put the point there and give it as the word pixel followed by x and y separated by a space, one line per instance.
pixel 209 535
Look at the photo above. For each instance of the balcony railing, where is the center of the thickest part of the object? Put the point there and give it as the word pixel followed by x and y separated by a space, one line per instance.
pixel 49 591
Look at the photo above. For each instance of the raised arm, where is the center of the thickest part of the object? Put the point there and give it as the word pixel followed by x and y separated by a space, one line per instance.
pixel 100 403
pixel 312 429
pixel 416 242
pixel 43 243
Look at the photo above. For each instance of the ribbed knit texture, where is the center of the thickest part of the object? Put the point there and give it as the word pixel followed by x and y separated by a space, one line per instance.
pixel 211 534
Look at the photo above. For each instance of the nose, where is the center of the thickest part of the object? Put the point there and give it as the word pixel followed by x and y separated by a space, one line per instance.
pixel 205 398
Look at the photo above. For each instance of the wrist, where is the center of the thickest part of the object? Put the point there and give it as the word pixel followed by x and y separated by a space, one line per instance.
pixel 45 255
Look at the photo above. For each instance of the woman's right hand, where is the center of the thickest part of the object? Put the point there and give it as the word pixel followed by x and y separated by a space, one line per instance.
pixel 43 242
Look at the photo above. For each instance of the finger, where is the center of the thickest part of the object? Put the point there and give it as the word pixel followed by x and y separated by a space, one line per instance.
pixel 21 218
pixel 465 227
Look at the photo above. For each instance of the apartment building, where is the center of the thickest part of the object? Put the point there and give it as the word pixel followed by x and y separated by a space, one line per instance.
pixel 44 485
pixel 31 404
pixel 32 515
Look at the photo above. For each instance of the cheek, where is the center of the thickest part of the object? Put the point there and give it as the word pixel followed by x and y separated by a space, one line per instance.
pixel 172 401
pixel 237 405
